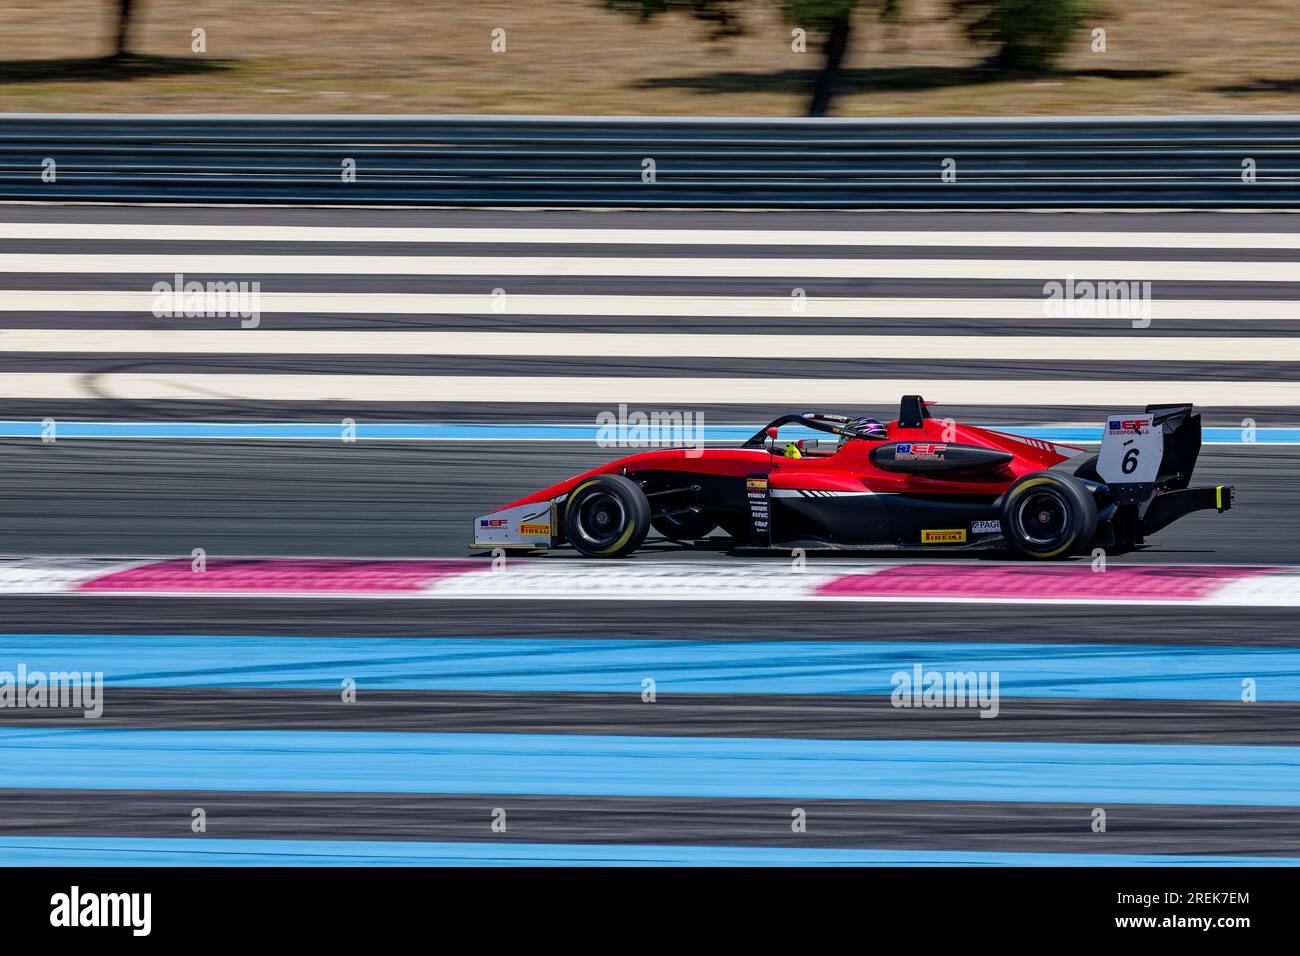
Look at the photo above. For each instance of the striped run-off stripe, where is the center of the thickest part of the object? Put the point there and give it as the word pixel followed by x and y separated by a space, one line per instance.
pixel 829 236
pixel 447 730
pixel 606 392
pixel 783 307
pixel 444 315
pixel 739 580
pixel 1129 348
pixel 683 267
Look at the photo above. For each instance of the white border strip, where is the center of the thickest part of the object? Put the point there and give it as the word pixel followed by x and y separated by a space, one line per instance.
pixel 655 392
pixel 583 580
pixel 783 307
pixel 335 342
pixel 167 265
pixel 1045 239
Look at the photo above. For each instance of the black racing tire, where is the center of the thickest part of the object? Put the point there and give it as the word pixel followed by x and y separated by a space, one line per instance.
pixel 687 526
pixel 607 516
pixel 1048 515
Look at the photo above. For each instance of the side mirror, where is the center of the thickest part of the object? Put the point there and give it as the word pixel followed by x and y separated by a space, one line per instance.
pixel 772 432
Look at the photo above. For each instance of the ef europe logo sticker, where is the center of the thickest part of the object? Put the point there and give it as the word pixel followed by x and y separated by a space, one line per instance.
pixel 1136 425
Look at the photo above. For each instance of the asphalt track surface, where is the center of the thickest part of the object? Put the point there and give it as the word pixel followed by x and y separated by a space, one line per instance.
pixel 416 500
pixel 904 825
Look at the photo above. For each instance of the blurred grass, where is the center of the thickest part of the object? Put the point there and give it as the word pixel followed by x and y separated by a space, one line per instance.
pixel 573 56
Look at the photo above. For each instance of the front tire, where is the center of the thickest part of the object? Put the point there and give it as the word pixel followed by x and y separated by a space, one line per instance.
pixel 607 516
pixel 1047 515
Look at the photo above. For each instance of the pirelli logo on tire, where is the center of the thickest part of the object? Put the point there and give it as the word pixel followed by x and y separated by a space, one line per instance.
pixel 945 536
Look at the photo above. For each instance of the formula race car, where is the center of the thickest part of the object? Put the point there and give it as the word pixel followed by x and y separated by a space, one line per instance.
pixel 915 484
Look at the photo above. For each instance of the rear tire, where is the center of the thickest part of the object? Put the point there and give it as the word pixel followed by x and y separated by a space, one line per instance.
pixel 607 516
pixel 1048 515
pixel 688 526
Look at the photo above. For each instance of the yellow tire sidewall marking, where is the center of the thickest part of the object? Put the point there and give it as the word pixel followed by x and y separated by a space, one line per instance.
pixel 626 534
pixel 1034 482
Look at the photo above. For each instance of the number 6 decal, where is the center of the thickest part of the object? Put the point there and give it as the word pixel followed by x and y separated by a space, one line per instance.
pixel 1131 449
pixel 1130 463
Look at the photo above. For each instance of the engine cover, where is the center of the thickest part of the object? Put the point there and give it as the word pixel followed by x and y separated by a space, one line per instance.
pixel 930 457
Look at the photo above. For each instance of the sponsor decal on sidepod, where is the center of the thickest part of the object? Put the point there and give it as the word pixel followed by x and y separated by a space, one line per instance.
pixel 920 451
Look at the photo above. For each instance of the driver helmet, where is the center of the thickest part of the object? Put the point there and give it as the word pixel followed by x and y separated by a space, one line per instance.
pixel 867 428
pixel 862 428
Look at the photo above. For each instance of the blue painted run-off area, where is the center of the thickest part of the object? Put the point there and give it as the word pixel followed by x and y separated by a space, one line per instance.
pixel 77 758
pixel 1073 671
pixel 416 431
pixel 209 851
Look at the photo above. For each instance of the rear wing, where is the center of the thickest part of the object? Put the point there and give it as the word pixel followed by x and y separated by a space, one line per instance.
pixel 1155 450
pixel 1182 444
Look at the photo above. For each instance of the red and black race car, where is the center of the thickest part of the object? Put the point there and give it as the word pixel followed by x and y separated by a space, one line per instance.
pixel 917 483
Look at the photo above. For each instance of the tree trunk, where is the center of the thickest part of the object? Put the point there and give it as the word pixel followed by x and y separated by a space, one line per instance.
pixel 123 26
pixel 833 50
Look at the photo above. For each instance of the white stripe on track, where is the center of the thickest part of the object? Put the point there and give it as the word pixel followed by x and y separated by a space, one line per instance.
pixel 650 236
pixel 733 580
pixel 654 392
pixel 164 266
pixel 776 307
pixel 1133 347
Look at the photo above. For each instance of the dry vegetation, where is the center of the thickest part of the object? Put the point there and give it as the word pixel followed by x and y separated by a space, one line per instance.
pixel 573 56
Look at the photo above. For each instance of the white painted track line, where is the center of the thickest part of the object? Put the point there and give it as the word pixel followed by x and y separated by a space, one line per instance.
pixel 1129 348
pixel 167 265
pixel 657 392
pixel 651 236
pixel 775 307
